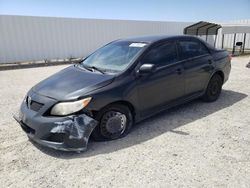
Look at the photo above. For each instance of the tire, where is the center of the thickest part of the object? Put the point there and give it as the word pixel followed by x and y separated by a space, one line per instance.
pixel 213 89
pixel 115 121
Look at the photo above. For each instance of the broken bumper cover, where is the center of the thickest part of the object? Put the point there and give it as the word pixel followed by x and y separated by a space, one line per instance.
pixel 70 133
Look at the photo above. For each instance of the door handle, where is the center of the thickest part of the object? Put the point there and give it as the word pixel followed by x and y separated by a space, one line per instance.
pixel 178 71
pixel 210 61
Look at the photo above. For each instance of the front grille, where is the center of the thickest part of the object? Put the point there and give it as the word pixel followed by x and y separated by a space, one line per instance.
pixel 33 105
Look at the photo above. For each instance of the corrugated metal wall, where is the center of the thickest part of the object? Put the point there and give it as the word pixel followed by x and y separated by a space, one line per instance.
pixel 25 38
pixel 228 40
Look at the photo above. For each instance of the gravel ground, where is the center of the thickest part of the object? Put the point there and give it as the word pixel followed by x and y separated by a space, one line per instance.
pixel 194 145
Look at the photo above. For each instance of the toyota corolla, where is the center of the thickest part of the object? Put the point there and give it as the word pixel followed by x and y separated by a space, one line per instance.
pixel 118 85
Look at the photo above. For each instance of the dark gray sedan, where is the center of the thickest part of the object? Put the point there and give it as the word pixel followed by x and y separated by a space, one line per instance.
pixel 118 85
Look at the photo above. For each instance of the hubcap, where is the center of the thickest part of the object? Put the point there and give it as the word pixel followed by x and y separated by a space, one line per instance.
pixel 113 124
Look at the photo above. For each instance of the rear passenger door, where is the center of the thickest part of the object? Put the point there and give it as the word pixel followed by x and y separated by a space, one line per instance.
pixel 198 64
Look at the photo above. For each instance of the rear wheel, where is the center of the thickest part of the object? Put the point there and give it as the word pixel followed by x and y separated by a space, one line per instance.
pixel 115 121
pixel 213 89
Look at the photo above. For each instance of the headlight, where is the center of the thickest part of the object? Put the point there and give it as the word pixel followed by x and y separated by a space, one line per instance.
pixel 65 108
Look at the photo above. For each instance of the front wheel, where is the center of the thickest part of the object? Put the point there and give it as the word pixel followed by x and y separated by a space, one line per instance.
pixel 213 89
pixel 115 121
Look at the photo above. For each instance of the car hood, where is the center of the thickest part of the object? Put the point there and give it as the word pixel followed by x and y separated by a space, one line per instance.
pixel 71 83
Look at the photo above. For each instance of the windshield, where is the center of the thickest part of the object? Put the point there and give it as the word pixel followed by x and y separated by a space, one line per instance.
pixel 114 57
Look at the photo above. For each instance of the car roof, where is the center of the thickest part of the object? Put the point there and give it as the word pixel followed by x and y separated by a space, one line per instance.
pixel 154 38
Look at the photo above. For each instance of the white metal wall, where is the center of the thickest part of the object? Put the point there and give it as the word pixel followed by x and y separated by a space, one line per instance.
pixel 26 38
pixel 228 39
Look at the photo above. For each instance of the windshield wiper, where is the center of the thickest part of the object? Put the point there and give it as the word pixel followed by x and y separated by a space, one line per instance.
pixel 97 69
pixel 91 68
pixel 86 67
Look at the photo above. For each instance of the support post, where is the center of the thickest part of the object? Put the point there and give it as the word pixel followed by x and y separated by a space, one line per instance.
pixel 222 43
pixel 215 40
pixel 244 41
pixel 234 44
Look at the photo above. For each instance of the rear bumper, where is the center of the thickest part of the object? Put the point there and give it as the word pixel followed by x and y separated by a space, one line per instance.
pixel 70 133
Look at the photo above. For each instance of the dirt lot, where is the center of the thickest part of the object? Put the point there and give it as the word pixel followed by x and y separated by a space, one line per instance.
pixel 196 144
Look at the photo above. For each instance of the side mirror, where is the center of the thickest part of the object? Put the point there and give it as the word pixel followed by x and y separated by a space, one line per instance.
pixel 146 69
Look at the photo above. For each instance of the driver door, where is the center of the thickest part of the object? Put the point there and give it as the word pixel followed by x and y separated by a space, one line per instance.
pixel 165 84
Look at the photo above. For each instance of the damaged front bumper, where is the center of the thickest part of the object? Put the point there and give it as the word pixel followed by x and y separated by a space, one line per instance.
pixel 69 133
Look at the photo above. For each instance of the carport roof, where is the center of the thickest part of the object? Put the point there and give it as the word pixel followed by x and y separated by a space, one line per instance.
pixel 202 28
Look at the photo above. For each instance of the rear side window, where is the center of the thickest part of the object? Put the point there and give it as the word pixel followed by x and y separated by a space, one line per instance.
pixel 161 55
pixel 189 49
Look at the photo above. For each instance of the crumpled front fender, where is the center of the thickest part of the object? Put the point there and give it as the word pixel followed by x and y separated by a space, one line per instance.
pixel 78 130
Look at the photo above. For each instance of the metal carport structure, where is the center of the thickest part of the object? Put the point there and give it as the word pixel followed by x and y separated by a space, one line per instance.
pixel 203 28
pixel 206 28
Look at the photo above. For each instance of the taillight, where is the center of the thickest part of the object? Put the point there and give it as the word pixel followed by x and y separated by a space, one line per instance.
pixel 230 57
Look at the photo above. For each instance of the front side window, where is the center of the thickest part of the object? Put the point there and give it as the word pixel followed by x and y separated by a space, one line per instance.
pixel 161 55
pixel 191 49
pixel 114 57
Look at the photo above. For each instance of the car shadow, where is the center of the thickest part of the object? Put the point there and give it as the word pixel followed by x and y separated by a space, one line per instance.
pixel 157 125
